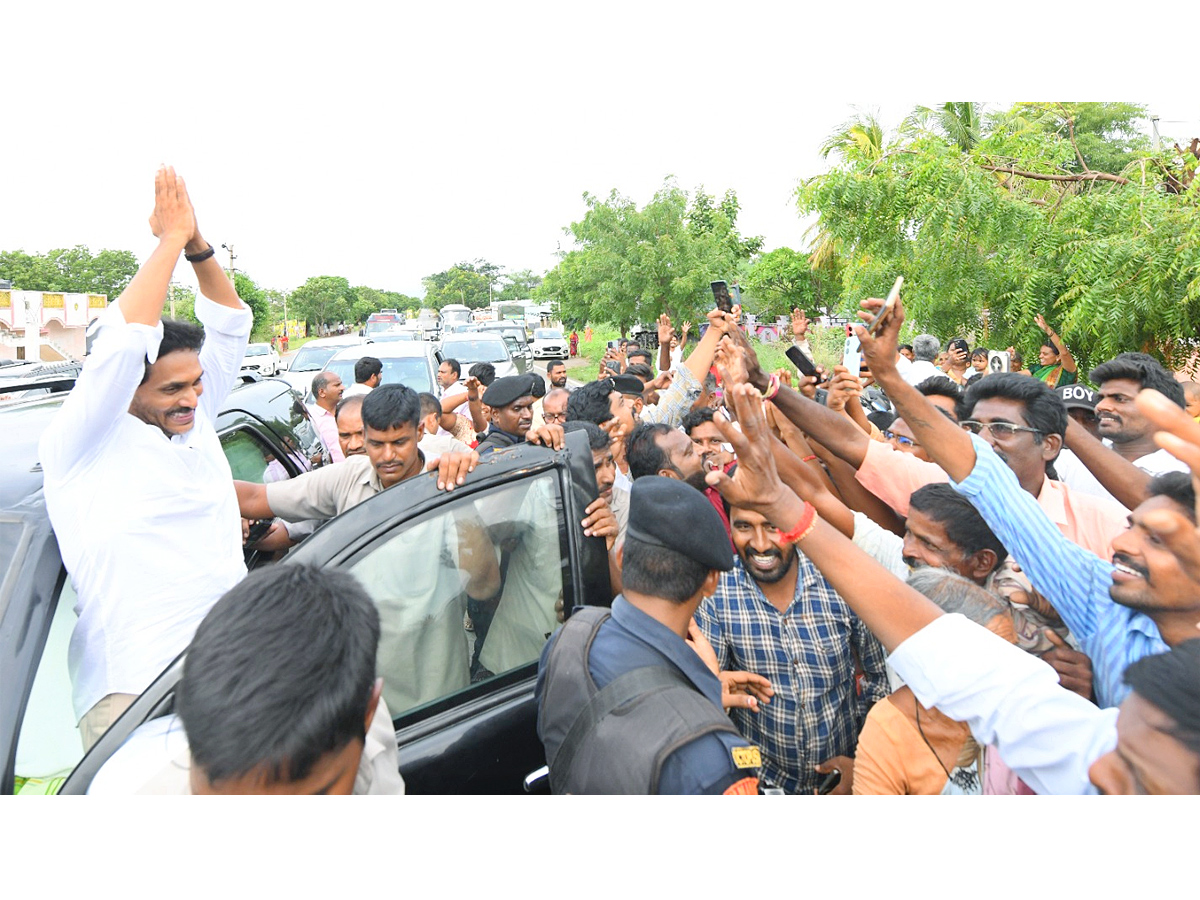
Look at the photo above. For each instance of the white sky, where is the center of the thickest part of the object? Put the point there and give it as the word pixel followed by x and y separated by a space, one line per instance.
pixel 384 143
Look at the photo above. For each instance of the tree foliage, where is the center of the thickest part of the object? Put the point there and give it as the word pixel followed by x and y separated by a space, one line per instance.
pixel 469 283
pixel 321 300
pixel 632 264
pixel 782 280
pixel 255 298
pixel 1023 222
pixel 75 270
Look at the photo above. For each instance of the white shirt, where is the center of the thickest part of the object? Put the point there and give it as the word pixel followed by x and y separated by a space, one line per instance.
pixel 1011 700
pixel 355 389
pixel 464 408
pixel 1078 477
pixel 434 445
pixel 148 526
pixel 919 371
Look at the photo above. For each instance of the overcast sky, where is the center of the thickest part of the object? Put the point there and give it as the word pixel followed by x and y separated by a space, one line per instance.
pixel 384 144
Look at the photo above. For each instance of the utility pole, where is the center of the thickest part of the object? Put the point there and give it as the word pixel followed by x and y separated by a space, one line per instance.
pixel 229 247
pixel 1154 128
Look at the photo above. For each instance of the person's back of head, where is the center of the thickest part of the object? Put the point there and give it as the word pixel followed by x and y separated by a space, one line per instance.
pixel 1043 410
pixel 279 683
pixel 1145 370
pixel 954 594
pixel 537 385
pixel 429 405
pixel 642 452
pixel 640 371
pixel 366 369
pixel 925 347
pixel 590 402
pixel 1171 682
pixel 597 438
pixel 391 406
pixel 485 372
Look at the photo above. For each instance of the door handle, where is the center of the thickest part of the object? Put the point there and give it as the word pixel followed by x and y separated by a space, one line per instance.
pixel 537 781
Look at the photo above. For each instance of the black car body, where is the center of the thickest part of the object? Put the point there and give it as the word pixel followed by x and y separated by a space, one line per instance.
pixel 263 427
pixel 477 738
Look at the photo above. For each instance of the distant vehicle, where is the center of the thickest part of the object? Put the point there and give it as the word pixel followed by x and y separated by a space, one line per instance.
pixel 413 364
pixel 396 334
pixel 513 327
pixel 548 343
pixel 21 379
pixel 470 348
pixel 261 360
pixel 382 321
pixel 453 315
pixel 311 358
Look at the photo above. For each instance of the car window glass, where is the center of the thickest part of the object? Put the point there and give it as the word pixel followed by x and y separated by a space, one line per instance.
pixel 250 459
pixel 49 745
pixel 11 532
pixel 412 372
pixel 311 359
pixel 437 636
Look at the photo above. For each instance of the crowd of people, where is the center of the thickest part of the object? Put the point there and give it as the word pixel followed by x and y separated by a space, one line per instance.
pixel 939 574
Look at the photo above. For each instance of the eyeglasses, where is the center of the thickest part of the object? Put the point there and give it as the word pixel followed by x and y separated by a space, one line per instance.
pixel 1001 431
pixel 554 417
pixel 900 439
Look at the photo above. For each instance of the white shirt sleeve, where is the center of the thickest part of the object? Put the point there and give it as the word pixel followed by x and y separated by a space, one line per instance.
pixel 1011 700
pixel 885 548
pixel 226 333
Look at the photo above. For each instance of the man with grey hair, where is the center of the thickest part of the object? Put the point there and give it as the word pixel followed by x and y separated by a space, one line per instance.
pixel 925 349
pixel 327 389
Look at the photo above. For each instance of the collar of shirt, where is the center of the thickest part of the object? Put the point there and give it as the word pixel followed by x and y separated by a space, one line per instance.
pixel 1052 499
pixel 669 644
pixel 492 429
pixel 808 577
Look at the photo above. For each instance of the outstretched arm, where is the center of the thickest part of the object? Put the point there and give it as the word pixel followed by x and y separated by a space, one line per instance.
pixel 1116 474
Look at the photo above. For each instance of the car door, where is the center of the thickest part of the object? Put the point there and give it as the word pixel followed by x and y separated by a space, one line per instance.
pixel 458 674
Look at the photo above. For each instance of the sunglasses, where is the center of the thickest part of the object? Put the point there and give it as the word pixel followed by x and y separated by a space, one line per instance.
pixel 1002 431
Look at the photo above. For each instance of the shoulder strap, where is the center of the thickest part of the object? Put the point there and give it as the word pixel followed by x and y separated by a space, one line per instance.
pixel 614 695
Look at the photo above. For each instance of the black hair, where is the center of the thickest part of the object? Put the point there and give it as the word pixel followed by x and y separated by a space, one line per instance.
pixel 320 380
pixel 1046 342
pixel 537 385
pixel 882 418
pixel 1043 410
pixel 177 335
pixel 554 364
pixel 645 354
pixel 485 372
pixel 941 386
pixel 347 401
pixel 1175 486
pixel 1171 682
pixel 590 402
pixel 279 673
pixel 391 406
pixel 660 572
pixel 1145 370
pixel 979 353
pixel 696 417
pixel 429 404
pixel 640 371
pixel 907 347
pixel 962 521
pixel 642 452
pixel 366 368
pixel 454 366
pixel 597 439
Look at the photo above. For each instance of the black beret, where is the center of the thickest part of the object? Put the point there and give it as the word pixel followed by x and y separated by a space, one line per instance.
pixel 670 513
pixel 628 384
pixel 508 389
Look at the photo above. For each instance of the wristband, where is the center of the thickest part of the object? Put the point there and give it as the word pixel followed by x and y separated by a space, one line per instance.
pixel 201 256
pixel 772 388
pixel 808 521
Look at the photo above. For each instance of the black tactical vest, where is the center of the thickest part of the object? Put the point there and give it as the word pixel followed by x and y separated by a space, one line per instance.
pixel 615 740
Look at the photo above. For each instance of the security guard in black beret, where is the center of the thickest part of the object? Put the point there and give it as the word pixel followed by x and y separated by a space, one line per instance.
pixel 511 402
pixel 625 705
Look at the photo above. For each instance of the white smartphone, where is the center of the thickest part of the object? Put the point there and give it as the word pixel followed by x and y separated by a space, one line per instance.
pixel 893 295
pixel 852 355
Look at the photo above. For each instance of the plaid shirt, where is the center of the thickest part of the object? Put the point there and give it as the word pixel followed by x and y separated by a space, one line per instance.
pixel 808 653
pixel 674 403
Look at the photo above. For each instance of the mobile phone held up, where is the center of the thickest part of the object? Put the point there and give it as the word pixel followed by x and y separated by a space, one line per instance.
pixel 852 353
pixel 802 362
pixel 721 295
pixel 874 325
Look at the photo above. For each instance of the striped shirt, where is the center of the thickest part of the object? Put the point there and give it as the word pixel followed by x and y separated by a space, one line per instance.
pixel 809 655
pixel 1074 580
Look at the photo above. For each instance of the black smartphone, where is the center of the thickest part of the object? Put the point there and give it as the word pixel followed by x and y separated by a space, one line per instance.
pixel 258 531
pixel 721 295
pixel 831 781
pixel 802 362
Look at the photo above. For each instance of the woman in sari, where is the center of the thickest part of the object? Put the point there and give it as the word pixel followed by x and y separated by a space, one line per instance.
pixel 1057 364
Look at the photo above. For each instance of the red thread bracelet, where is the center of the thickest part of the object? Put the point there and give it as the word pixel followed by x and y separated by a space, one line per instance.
pixel 808 521
pixel 809 458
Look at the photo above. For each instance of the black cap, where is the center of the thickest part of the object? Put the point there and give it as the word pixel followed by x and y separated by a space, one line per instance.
pixel 628 384
pixel 508 389
pixel 1076 396
pixel 670 513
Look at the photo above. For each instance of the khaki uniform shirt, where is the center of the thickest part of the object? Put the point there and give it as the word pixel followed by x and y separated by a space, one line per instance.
pixel 325 492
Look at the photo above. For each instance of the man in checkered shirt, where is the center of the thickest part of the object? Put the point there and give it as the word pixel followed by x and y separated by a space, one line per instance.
pixel 774 614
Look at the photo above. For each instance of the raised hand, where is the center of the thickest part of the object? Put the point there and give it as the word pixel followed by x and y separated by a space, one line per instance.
pixel 799 324
pixel 453 468
pixel 756 484
pixel 665 331
pixel 173 218
pixel 844 386
pixel 881 349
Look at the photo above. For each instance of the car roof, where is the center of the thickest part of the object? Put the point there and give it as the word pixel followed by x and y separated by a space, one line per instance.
pixel 385 350
pixel 346 339
pixel 23 424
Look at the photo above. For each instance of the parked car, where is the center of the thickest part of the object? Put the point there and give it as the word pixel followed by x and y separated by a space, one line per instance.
pixel 413 364
pixel 261 360
pixel 22 379
pixel 474 347
pixel 266 434
pixel 311 358
pixel 548 343
pixel 471 735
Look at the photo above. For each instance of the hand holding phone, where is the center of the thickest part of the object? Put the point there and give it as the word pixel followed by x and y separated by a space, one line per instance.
pixel 724 301
pixel 803 363
pixel 876 323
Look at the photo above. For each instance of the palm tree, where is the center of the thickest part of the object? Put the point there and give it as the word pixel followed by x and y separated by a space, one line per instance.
pixel 960 122
pixel 856 140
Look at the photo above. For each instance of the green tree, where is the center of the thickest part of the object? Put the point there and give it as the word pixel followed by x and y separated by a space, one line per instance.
pixel 632 264
pixel 254 297
pixel 321 300
pixel 784 279
pixel 467 283
pixel 1018 225
pixel 74 270
pixel 519 285
pixel 181 303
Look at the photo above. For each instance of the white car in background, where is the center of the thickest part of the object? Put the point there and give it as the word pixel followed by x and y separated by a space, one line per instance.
pixel 311 358
pixel 261 360
pixel 548 343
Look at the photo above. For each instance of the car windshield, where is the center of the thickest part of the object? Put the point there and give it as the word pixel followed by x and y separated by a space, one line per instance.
pixel 258 350
pixel 491 350
pixel 393 336
pixel 547 334
pixel 312 359
pixel 410 371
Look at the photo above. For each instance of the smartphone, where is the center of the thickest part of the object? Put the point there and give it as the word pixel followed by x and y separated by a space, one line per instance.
pixel 614 345
pixel 721 295
pixel 874 325
pixel 802 362
pixel 830 782
pixel 852 354
pixel 258 531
